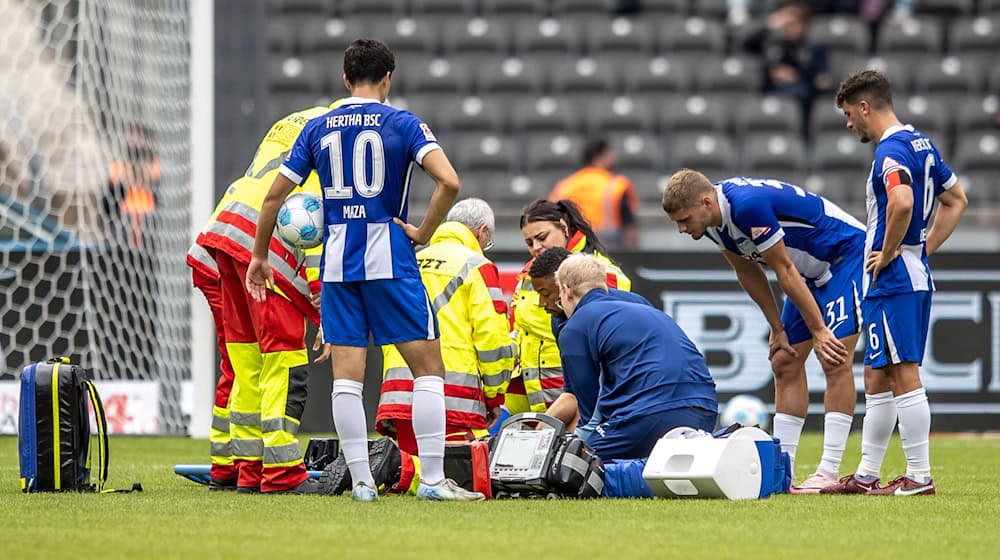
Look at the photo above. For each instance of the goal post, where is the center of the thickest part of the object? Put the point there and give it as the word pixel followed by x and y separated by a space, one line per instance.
pixel 106 152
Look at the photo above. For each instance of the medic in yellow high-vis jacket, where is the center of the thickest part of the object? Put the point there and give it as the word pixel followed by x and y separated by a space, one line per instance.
pixel 538 379
pixel 258 409
pixel 464 287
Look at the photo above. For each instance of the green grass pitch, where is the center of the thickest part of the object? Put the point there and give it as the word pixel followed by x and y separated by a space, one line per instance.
pixel 175 518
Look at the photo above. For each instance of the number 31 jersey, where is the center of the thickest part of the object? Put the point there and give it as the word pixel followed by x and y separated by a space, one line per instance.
pixel 363 152
pixel 903 149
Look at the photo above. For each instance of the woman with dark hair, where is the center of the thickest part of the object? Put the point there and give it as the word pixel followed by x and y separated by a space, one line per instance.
pixel 538 379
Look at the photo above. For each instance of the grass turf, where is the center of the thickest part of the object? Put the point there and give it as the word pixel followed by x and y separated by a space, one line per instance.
pixel 175 518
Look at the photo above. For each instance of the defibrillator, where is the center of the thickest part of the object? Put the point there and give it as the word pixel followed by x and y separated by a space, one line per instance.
pixel 532 455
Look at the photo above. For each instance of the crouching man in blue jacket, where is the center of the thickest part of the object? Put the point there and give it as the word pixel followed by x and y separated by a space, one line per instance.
pixel 647 373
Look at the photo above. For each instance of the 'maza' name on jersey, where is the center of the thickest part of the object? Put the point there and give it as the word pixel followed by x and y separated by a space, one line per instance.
pixel 354 211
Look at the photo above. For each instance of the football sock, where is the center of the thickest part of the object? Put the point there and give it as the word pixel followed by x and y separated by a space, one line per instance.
pixel 428 426
pixel 914 431
pixel 836 428
pixel 876 429
pixel 788 428
pixel 351 425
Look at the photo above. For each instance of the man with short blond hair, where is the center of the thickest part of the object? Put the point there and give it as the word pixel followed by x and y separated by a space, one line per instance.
pixel 651 377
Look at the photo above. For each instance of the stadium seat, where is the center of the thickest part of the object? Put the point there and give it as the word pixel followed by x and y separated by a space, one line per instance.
pixel 659 8
pixel 994 79
pixel 372 8
pixel 425 107
pixel 711 154
pixel 842 34
pixel 514 10
pixel 710 9
pixel 488 152
pixel 443 8
pixel 620 39
pixel 977 113
pixel 477 37
pixel 622 114
pixel 638 152
pixel 927 114
pixel 488 185
pixel 980 187
pixel 942 7
pixel 546 115
pixel 331 37
pixel 438 76
pixel 735 76
pixel 898 68
pixel 693 35
pixel 693 114
pixel 915 39
pixel 845 188
pixel 582 11
pixel 949 75
pixel 839 151
pixel 825 117
pixel 552 153
pixel 583 77
pixel 510 77
pixel 282 34
pixel 978 152
pixel 768 114
pixel 989 6
pixel 978 38
pixel 408 37
pixel 659 75
pixel 280 104
pixel 519 190
pixel 773 155
pixel 549 40
pixel 649 186
pixel 472 115
pixel 297 74
pixel 314 8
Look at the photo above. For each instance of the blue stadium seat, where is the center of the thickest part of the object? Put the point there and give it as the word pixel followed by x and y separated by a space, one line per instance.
pixel 660 75
pixel 768 114
pixel 693 114
pixel 583 77
pixel 545 115
pixel 621 114
pixel 693 35
pixel 774 155
pixel 712 154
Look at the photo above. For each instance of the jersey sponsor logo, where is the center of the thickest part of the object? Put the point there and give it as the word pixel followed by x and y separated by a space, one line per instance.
pixel 759 231
pixel 428 135
pixel 875 355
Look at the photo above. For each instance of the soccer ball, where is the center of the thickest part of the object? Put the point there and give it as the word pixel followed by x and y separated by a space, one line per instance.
pixel 300 220
pixel 747 410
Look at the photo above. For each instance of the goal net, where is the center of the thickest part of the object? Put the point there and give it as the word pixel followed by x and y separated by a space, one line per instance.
pixel 95 179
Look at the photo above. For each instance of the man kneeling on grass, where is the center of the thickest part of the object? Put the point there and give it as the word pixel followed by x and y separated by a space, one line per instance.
pixel 647 374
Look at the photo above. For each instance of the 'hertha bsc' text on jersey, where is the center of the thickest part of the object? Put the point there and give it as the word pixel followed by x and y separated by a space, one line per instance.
pixel 363 152
pixel 757 213
pixel 902 148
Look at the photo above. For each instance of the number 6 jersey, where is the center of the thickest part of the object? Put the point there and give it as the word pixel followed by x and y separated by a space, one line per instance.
pixel 904 158
pixel 363 153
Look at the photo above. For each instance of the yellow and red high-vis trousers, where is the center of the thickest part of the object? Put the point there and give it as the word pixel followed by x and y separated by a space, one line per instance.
pixel 218 437
pixel 266 344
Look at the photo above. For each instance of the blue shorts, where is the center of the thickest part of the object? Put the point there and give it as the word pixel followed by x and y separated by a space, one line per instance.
pixel 897 328
pixel 839 301
pixel 634 438
pixel 392 310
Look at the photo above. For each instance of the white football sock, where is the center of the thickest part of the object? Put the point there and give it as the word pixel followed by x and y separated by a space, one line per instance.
pixel 788 429
pixel 836 428
pixel 352 428
pixel 915 430
pixel 429 425
pixel 876 429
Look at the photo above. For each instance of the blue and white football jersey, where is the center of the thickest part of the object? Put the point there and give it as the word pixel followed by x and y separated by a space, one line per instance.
pixel 363 152
pixel 757 213
pixel 903 148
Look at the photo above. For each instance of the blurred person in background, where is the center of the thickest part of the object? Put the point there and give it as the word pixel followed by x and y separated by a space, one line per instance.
pixel 131 197
pixel 607 201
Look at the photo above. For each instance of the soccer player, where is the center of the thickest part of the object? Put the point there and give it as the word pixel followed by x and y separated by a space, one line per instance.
pixel 815 249
pixel 907 177
pixel 651 377
pixel 363 153
pixel 577 409
pixel 263 377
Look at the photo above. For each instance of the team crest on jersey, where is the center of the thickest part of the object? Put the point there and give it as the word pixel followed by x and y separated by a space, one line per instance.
pixel 758 232
pixel 428 135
